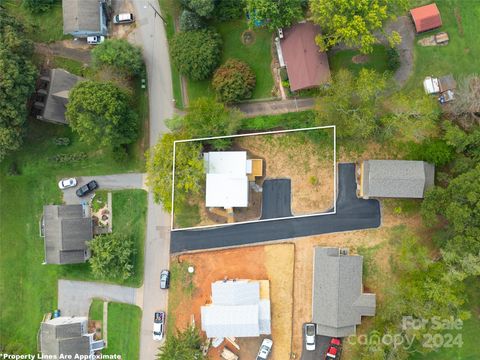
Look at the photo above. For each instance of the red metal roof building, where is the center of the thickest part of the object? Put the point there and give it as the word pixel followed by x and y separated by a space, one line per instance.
pixel 307 67
pixel 426 17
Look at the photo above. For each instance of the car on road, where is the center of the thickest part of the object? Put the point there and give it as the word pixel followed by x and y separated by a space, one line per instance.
pixel 164 279
pixel 87 188
pixel 265 349
pixel 67 183
pixel 95 40
pixel 310 331
pixel 123 18
pixel 158 325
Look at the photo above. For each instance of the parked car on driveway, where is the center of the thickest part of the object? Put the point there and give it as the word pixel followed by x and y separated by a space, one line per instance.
pixel 165 279
pixel 67 183
pixel 265 349
pixel 87 188
pixel 310 331
pixel 331 353
pixel 95 40
pixel 158 325
pixel 123 19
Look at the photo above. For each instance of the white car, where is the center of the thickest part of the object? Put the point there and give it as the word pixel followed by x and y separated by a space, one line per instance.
pixel 95 40
pixel 67 183
pixel 123 19
pixel 158 325
pixel 309 337
pixel 265 349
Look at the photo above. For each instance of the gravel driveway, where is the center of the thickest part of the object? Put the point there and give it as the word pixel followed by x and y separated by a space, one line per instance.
pixel 75 297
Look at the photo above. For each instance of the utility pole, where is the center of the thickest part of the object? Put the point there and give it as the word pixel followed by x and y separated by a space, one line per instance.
pixel 157 13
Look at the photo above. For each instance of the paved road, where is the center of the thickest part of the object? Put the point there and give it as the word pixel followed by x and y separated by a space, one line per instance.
pixel 275 106
pixel 352 214
pixel 75 297
pixel 150 35
pixel 276 198
pixel 105 182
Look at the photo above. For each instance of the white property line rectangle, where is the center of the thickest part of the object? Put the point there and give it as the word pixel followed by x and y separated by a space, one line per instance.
pixel 256 134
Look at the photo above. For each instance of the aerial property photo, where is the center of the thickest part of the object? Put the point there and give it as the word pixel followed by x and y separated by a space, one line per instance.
pixel 240 179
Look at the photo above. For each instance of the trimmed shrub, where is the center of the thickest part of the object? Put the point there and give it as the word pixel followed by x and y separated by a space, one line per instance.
pixel 234 81
pixel 61 141
pixel 393 59
pixel 226 10
pixel 435 151
pixel 203 8
pixel 120 55
pixel 191 21
pixel 68 158
pixel 196 54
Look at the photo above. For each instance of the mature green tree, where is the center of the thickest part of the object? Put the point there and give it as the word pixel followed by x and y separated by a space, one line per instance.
pixel 184 345
pixel 467 143
pixel 112 256
pixel 229 10
pixel 354 22
pixel 234 81
pixel 196 54
pixel 190 20
pixel 203 8
pixel 351 103
pixel 102 114
pixel 36 6
pixel 120 55
pixel 17 82
pixel 189 170
pixel 207 118
pixel 434 151
pixel 274 14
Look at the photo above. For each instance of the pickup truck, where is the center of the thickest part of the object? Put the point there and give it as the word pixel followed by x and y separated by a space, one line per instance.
pixel 158 325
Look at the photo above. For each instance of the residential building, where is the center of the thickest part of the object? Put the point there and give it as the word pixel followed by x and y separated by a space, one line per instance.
pixel 67 230
pixel 307 66
pixel 338 299
pixel 426 17
pixel 68 336
pixel 52 95
pixel 239 308
pixel 394 179
pixel 83 18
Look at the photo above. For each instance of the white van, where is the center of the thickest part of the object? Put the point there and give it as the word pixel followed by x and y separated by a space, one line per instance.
pixel 123 19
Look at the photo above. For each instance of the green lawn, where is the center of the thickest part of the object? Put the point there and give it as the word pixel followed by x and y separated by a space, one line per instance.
pixel 72 66
pixel 28 289
pixel 123 331
pixel 257 55
pixel 96 310
pixel 42 27
pixel 377 60
pixel 462 55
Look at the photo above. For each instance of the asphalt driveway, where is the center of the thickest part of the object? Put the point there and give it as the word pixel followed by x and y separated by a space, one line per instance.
pixel 276 198
pixel 321 347
pixel 75 297
pixel 352 214
pixel 105 182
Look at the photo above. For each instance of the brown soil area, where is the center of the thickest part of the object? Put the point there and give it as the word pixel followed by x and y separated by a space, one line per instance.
pixel 272 262
pixel 309 168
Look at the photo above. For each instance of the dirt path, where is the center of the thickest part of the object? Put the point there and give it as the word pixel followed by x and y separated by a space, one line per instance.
pixel 67 49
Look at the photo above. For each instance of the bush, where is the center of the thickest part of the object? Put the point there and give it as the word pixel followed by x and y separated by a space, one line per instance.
pixel 226 10
pixel 120 55
pixel 234 81
pixel 191 21
pixel 203 8
pixel 435 151
pixel 196 54
pixel 120 153
pixel 283 74
pixel 36 6
pixel 68 158
pixel 13 169
pixel 393 59
pixel 61 141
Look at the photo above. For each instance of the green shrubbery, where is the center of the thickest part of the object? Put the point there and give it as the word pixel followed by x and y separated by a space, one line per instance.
pixel 119 54
pixel 191 21
pixel 234 81
pixel 69 158
pixel 393 59
pixel 434 151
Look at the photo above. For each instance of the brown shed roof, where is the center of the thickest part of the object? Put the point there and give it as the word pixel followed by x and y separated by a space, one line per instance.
pixel 307 67
pixel 426 17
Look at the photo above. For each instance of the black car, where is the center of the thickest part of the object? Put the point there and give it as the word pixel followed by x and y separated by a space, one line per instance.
pixel 165 279
pixel 87 188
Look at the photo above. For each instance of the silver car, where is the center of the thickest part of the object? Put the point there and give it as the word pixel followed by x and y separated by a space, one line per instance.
pixel 67 183
pixel 309 330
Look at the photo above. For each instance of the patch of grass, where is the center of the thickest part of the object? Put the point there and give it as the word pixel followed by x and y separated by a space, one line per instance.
pixel 407 207
pixel 187 215
pixel 96 310
pixel 123 331
pixel 73 66
pixel 257 56
pixel 461 55
pixel 377 60
pixel 170 11
pixel 41 27
pixel 100 200
pixel 292 120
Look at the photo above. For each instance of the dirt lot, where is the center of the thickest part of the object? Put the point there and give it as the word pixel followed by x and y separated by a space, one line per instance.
pixel 272 262
pixel 295 157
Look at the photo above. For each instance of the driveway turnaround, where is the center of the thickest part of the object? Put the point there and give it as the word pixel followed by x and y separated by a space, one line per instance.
pixel 276 198
pixel 75 297
pixel 352 214
pixel 105 182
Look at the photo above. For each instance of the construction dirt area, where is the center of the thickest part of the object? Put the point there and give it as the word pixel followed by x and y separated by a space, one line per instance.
pixel 270 262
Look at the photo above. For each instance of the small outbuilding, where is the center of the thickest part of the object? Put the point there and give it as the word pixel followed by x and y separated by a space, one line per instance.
pixel 394 179
pixel 426 18
pixel 307 66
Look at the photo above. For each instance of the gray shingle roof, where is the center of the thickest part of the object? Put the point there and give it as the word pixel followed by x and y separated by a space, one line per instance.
pixel 64 336
pixel 338 299
pixel 61 82
pixel 397 178
pixel 67 231
pixel 81 15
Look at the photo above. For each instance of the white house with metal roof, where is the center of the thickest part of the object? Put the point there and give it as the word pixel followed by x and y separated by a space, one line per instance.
pixel 237 310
